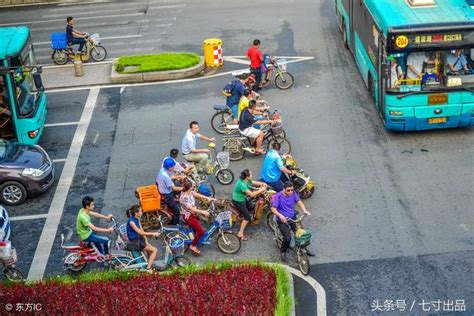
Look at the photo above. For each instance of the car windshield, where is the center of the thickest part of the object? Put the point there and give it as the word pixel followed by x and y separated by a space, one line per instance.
pixel 433 70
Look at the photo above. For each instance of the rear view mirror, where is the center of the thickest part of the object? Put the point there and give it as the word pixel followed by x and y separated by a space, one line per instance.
pixel 37 79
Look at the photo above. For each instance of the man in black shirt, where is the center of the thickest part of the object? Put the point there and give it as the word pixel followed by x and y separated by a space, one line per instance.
pixel 246 122
pixel 74 36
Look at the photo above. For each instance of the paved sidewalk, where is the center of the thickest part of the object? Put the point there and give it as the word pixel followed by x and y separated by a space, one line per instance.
pixel 63 76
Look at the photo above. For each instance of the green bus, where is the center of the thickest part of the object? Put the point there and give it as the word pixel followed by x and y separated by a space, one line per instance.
pixel 416 58
pixel 22 97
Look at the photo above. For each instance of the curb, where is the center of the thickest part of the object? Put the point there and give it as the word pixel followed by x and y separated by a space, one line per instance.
pixel 115 77
pixel 291 291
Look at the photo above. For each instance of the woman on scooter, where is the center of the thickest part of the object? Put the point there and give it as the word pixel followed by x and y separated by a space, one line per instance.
pixel 240 194
pixel 137 236
pixel 190 212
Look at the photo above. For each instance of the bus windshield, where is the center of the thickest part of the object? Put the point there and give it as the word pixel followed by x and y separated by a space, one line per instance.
pixel 431 70
pixel 25 91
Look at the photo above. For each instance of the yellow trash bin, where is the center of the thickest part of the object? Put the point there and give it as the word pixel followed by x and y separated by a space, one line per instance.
pixel 213 56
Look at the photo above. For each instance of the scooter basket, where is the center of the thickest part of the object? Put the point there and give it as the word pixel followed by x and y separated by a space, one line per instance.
pixel 223 159
pixel 123 232
pixel 58 41
pixel 277 129
pixel 95 38
pixel 176 245
pixel 282 64
pixel 225 220
pixel 304 240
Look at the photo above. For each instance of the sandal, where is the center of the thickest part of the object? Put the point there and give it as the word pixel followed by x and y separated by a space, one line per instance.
pixel 260 152
pixel 195 250
pixel 243 238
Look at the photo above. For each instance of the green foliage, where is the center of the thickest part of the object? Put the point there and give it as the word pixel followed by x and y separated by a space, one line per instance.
pixel 156 62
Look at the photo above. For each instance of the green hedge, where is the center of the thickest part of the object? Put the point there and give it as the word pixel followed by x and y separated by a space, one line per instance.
pixel 156 62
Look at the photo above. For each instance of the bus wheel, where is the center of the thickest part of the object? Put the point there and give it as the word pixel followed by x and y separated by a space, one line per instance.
pixel 344 34
pixel 371 86
pixel 12 193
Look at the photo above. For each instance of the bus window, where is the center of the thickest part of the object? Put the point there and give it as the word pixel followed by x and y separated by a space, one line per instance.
pixel 433 70
pixel 6 123
pixel 25 90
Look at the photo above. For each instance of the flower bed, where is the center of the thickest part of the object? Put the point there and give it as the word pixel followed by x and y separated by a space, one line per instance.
pixel 156 62
pixel 224 289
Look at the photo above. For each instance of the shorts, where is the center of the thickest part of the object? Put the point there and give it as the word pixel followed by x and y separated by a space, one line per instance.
pixel 251 132
pixel 243 209
pixel 235 111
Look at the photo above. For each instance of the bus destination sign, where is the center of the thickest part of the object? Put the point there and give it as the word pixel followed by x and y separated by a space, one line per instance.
pixel 409 41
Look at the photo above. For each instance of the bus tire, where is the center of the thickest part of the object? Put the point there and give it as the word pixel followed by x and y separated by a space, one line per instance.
pixel 344 34
pixel 371 85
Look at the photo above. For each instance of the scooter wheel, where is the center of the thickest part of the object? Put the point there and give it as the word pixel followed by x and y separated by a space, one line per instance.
pixel 284 80
pixel 228 243
pixel 13 274
pixel 306 193
pixel 60 57
pixel 225 176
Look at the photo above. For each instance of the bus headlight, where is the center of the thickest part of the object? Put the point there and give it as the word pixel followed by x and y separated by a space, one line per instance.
pixel 396 113
pixel 32 172
pixel 33 134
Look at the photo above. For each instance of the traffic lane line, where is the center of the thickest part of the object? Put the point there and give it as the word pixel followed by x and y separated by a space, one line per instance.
pixel 102 38
pixel 45 244
pixel 62 20
pixel 320 291
pixel 27 217
pixel 55 90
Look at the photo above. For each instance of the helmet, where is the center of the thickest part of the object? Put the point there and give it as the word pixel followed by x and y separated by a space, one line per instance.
pixel 204 190
pixel 169 163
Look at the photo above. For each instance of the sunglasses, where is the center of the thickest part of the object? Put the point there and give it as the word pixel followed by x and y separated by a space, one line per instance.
pixel 289 190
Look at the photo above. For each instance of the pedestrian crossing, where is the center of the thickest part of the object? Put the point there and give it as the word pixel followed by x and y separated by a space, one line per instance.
pixel 124 27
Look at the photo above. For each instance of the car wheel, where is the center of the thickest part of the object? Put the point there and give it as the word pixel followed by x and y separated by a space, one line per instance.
pixel 12 193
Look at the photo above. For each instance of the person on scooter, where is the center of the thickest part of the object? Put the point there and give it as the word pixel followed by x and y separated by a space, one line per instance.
pixel 74 36
pixel 256 59
pixel 137 236
pixel 246 122
pixel 180 167
pixel 234 91
pixel 166 187
pixel 190 212
pixel 247 98
pixel 273 169
pixel 87 231
pixel 188 146
pixel 239 198
pixel 283 207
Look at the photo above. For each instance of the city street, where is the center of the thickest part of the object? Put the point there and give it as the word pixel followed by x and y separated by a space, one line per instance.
pixel 392 215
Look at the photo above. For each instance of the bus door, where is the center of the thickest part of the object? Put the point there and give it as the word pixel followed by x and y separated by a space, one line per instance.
pixel 7 128
pixel 383 70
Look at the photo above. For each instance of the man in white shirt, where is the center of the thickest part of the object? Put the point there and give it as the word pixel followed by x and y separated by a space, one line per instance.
pixel 188 146
pixel 415 62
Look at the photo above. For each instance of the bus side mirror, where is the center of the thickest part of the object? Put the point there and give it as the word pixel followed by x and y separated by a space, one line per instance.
pixel 38 81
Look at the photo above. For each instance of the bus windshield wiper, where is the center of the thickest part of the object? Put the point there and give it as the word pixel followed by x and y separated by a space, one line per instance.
pixel 417 92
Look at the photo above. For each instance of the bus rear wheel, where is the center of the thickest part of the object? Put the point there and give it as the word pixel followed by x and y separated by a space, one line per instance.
pixel 344 34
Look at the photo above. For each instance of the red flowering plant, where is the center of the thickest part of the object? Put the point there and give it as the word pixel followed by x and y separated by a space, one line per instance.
pixel 215 289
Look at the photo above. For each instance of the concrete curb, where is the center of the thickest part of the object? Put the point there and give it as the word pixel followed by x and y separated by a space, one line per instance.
pixel 291 292
pixel 115 77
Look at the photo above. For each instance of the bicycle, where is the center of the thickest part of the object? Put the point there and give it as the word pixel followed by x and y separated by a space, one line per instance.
pixel 217 164
pixel 302 239
pixel 283 79
pixel 226 241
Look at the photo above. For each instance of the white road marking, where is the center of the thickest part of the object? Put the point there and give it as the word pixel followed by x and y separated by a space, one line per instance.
pixel 61 124
pixel 72 65
pixel 320 292
pixel 102 38
pixel 27 217
pixel 46 241
pixel 96 138
pixel 59 160
pixel 84 18
pixel 162 82
pixel 121 90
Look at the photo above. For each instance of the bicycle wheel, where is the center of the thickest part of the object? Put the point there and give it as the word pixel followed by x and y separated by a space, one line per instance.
pixel 98 53
pixel 228 242
pixel 284 143
pixel 180 261
pixel 220 120
pixel 235 152
pixel 60 57
pixel 225 176
pixel 303 261
pixel 271 222
pixel 284 80
pixel 72 262
pixel 13 274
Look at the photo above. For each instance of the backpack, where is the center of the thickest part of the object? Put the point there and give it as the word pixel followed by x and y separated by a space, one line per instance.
pixel 228 88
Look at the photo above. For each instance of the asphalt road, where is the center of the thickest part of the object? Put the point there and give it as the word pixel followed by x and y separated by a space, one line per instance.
pixel 393 212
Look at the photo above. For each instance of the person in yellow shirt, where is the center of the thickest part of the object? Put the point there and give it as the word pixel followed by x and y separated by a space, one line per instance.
pixel 244 103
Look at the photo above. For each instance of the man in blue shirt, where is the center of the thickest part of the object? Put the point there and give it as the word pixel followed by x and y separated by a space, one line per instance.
pixel 237 92
pixel 166 187
pixel 74 36
pixel 456 62
pixel 273 169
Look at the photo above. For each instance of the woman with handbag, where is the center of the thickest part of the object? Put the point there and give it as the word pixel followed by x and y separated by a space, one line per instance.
pixel 137 236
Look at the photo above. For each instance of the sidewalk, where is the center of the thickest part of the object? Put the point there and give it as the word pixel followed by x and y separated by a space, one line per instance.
pixel 63 76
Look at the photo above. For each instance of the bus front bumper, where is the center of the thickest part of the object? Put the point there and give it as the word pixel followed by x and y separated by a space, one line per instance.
pixel 402 124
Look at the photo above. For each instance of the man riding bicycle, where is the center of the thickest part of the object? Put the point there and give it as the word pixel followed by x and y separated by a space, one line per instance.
pixel 283 207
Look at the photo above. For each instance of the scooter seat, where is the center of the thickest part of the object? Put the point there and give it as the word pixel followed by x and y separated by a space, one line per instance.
pixel 220 107
pixel 171 228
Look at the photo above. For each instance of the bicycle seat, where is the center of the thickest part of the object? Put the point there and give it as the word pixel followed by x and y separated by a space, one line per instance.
pixel 232 126
pixel 86 244
pixel 71 246
pixel 171 228
pixel 220 107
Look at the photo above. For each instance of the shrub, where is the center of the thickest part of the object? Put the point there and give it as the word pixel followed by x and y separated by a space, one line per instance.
pixel 156 62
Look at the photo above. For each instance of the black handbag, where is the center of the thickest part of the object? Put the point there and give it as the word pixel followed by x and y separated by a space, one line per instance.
pixel 136 245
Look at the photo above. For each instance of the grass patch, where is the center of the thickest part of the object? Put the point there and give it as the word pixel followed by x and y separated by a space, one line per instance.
pixel 156 62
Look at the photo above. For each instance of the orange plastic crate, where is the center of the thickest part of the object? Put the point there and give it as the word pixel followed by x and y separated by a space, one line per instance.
pixel 150 198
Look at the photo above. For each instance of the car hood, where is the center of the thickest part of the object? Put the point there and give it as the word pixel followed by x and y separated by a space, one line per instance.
pixel 21 156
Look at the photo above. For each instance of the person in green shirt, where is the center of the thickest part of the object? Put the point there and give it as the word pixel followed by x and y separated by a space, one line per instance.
pixel 87 231
pixel 239 197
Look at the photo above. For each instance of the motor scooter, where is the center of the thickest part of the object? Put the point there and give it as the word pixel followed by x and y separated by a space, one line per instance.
pixel 8 257
pixel 62 53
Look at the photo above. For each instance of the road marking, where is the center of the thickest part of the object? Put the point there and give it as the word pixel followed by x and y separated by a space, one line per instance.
pixel 46 241
pixel 102 38
pixel 306 58
pixel 27 217
pixel 72 65
pixel 61 124
pixel 59 160
pixel 84 18
pixel 320 292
